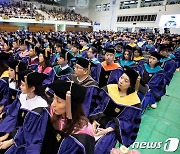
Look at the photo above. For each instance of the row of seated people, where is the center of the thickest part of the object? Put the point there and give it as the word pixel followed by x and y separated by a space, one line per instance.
pixel 18 11
pixel 68 15
pixel 107 92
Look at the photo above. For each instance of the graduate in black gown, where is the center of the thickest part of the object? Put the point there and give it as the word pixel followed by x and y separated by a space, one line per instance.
pixel 29 115
pixel 68 129
pixel 81 76
pixel 108 71
pixel 118 115
pixel 167 63
pixel 127 57
pixel 152 76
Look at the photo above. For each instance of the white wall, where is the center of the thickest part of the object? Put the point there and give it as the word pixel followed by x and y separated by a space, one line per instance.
pixel 108 19
pixel 82 11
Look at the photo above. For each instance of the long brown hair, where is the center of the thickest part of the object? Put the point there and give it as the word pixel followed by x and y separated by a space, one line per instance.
pixel 75 124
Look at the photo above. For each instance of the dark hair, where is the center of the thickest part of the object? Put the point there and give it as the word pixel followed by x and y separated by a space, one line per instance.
pixel 130 55
pixel 94 50
pixel 138 49
pixel 130 90
pixel 46 63
pixel 158 63
pixel 40 91
pixel 3 67
pixel 75 124
pixel 59 45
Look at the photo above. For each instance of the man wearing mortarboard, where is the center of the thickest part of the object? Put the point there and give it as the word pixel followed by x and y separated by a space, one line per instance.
pixel 63 67
pixel 106 43
pixel 81 74
pixel 82 77
pixel 119 50
pixel 15 44
pixel 132 42
pixel 75 52
pixel 108 71
pixel 149 46
pixel 167 63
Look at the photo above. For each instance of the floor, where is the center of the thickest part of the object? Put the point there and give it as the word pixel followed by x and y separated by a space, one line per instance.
pixel 163 122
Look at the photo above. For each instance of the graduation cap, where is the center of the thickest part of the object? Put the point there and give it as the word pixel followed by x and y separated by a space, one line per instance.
pixel 157 55
pixel 17 66
pixel 31 78
pixel 66 55
pixel 71 92
pixel 97 45
pixel 128 47
pixel 110 50
pixel 16 40
pixel 83 62
pixel 5 40
pixel 4 56
pixel 69 42
pixel 106 36
pixel 84 38
pixel 36 49
pixel 27 43
pixel 14 64
pixel 46 52
pixel 9 44
pixel 133 76
pixel 119 43
pixel 34 40
pixel 76 45
pixel 166 47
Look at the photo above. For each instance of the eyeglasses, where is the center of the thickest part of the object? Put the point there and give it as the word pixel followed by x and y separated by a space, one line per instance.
pixel 77 67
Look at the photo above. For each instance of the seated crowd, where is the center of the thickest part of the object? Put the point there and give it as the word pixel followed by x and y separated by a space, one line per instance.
pixel 24 10
pixel 18 10
pixel 69 15
pixel 80 92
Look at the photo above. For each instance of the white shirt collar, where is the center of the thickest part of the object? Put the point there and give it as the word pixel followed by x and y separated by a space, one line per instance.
pixel 12 84
pixel 34 58
pixel 64 67
pixel 33 103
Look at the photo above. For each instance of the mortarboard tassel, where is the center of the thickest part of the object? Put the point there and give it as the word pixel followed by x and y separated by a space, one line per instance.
pixel 16 71
pixel 137 83
pixel 46 52
pixel 68 103
pixel 26 84
pixel 18 42
pixel 89 68
pixel 66 54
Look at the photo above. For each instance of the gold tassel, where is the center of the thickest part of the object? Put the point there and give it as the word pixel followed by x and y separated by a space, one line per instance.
pixel 46 52
pixel 26 84
pixel 89 68
pixel 16 71
pixel 137 83
pixel 65 58
pixel 68 103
